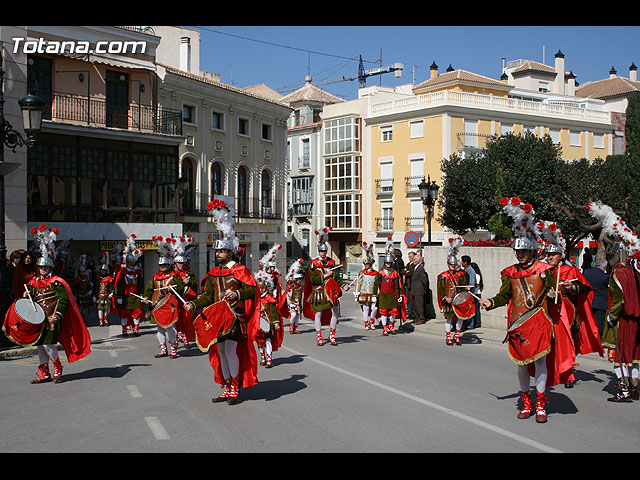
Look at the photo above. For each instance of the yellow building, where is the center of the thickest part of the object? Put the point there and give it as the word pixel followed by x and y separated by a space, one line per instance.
pixel 407 131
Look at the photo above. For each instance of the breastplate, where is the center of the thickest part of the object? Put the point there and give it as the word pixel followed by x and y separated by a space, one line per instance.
pixel 46 298
pixel 527 293
pixel 366 284
pixel 104 289
pixel 450 285
pixel 222 283
pixel 160 289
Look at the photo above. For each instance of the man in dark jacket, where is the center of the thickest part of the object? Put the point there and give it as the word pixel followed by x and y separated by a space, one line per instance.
pixel 598 278
pixel 419 288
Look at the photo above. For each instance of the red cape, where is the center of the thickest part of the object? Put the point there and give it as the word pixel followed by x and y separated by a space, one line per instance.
pixel 402 306
pixel 308 312
pixel 246 350
pixel 448 274
pixel 74 336
pixel 185 319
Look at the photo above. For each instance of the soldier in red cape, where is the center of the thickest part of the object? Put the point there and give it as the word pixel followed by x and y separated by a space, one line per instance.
pixel 104 293
pixel 128 287
pixel 184 325
pixel 387 289
pixel 575 331
pixel 230 300
pixel 63 321
pixel 294 294
pixel 447 284
pixel 323 289
pixel 364 288
pixel 525 288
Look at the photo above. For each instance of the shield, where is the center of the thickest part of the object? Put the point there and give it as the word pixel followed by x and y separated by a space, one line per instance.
pixel 464 306
pixel 24 322
pixel 530 336
pixel 165 312
pixel 216 319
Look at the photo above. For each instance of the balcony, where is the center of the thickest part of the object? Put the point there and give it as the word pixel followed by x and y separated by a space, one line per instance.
pixel 384 186
pixel 194 204
pixel 78 109
pixel 384 225
pixel 411 184
pixel 414 224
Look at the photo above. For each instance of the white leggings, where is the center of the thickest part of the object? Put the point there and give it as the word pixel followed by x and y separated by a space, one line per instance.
pixel 163 333
pixel 540 375
pixel 267 348
pixel 368 312
pixel 624 372
pixel 293 319
pixel 229 361
pixel 335 311
pixel 448 322
pixel 46 352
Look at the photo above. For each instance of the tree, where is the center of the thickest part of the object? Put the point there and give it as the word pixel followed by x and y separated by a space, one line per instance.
pixel 496 225
pixel 632 126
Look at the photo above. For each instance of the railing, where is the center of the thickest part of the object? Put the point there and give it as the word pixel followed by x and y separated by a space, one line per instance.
pixel 194 203
pixel 488 102
pixel 144 118
pixel 384 224
pixel 384 185
pixel 411 184
pixel 414 224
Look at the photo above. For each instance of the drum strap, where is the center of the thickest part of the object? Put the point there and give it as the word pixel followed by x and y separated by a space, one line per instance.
pixel 528 296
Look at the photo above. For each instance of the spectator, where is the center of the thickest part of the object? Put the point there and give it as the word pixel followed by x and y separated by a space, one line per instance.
pixel 22 274
pixel 587 260
pixel 477 290
pixel 408 272
pixel 598 278
pixel 465 262
pixel 398 263
pixel 419 288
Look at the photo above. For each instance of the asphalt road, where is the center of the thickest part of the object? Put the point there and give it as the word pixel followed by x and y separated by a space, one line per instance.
pixel 370 394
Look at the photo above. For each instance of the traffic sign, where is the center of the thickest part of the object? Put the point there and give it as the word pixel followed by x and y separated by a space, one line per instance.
pixel 412 239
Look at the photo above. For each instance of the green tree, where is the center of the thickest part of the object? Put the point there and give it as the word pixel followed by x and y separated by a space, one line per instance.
pixel 496 225
pixel 632 126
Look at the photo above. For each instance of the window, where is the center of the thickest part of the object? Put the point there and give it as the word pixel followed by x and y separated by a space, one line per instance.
pixel 543 86
pixel 266 192
pixel 574 138
pixel 301 190
pixel 554 133
pixel 216 179
pixel 470 133
pixel 387 216
pixel 217 120
pixel 342 173
pixel 243 126
pixel 243 192
pixel 341 135
pixel 304 159
pixel 386 134
pixel 598 140
pixel 188 113
pixel 417 129
pixel 506 128
pixel 267 132
pixel 386 177
pixel 342 211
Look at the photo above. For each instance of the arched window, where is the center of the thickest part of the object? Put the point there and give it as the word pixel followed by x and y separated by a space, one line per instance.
pixel 266 193
pixel 243 192
pixel 188 192
pixel 217 181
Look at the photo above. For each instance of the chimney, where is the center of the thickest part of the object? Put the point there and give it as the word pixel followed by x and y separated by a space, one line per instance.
pixel 504 78
pixel 633 73
pixel 612 73
pixel 571 88
pixel 185 54
pixel 558 83
pixel 434 70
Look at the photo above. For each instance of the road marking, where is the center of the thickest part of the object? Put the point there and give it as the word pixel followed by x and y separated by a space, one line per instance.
pixel 156 428
pixel 435 406
pixel 134 391
pixel 113 353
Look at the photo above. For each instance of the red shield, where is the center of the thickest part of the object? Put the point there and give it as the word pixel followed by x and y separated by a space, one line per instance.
pixel 214 320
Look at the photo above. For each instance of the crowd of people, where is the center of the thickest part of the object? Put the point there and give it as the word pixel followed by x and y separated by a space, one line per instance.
pixel 555 311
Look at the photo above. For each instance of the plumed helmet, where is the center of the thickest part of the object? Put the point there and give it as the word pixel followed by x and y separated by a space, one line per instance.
pixel 46 241
pixel 525 232
pixel 226 226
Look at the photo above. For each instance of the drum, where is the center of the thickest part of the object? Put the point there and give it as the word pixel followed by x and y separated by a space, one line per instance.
pixel 265 326
pixel 530 336
pixel 464 305
pixel 165 312
pixel 24 322
pixel 333 290
pixel 216 319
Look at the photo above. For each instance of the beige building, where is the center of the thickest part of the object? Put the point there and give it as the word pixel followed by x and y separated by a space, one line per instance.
pixel 234 149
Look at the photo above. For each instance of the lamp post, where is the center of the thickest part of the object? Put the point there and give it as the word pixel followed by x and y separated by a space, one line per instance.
pixel 31 107
pixel 429 195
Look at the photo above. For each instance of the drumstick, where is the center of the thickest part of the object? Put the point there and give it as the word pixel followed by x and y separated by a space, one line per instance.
pixel 176 293
pixel 29 295
pixel 557 282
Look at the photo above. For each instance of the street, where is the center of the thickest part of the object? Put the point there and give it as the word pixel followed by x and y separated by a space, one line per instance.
pixel 370 394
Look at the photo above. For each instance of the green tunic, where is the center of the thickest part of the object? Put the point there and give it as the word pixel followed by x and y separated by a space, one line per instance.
pixel 50 336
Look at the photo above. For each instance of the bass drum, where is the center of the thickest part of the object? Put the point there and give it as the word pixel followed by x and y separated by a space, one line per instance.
pixel 530 336
pixel 24 322
pixel 165 312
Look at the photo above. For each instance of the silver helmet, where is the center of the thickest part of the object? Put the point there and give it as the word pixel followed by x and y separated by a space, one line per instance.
pixel 525 243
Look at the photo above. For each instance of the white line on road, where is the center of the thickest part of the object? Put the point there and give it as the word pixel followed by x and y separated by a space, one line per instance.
pixel 448 411
pixel 156 428
pixel 134 391
pixel 113 353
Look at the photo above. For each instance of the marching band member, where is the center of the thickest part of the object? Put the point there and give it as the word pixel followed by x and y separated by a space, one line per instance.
pixel 104 287
pixel 323 289
pixel 270 334
pixel 448 283
pixel 160 293
pixel 525 288
pixel 230 303
pixel 621 333
pixel 61 320
pixel 391 298
pixel 184 325
pixel 294 294
pixel 128 286
pixel 364 288
pixel 574 327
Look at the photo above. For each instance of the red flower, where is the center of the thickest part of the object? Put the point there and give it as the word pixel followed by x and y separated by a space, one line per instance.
pixel 182 239
pixel 553 227
pixel 33 230
pixel 222 204
pixel 527 207
pixel 587 207
pixel 42 227
pixel 55 230
pixel 504 201
pixel 515 201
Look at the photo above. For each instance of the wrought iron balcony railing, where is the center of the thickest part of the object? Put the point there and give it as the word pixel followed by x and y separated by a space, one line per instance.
pixel 64 107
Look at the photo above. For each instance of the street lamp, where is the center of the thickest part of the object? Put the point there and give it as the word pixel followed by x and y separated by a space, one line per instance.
pixel 31 107
pixel 429 195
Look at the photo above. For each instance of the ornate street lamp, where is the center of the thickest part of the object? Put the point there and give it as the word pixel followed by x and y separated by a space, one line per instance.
pixel 429 195
pixel 31 107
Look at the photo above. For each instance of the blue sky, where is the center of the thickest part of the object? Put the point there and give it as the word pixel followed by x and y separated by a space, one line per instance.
pixel 281 56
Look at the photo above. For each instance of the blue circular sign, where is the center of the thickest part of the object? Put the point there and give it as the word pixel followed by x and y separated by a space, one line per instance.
pixel 412 239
